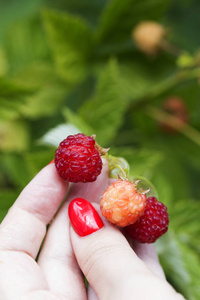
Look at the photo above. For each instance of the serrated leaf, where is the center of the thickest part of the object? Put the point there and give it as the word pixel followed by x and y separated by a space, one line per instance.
pixel 35 75
pixel 164 188
pixel 181 264
pixel 77 121
pixel 45 102
pixel 105 111
pixel 142 162
pixel 14 136
pixel 10 88
pixel 146 80
pixel 119 17
pixel 24 43
pixel 9 110
pixel 184 215
pixel 70 38
pixel 172 169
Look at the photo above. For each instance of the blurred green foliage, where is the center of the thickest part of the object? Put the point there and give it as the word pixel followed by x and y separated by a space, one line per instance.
pixel 70 66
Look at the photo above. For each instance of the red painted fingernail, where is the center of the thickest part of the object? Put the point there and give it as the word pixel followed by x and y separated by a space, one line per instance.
pixel 84 218
pixel 51 162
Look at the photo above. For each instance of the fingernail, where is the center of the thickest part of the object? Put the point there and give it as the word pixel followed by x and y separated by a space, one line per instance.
pixel 84 218
pixel 51 162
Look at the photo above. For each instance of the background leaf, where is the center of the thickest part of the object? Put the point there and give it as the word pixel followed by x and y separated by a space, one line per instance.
pixel 72 66
pixel 65 32
pixel 127 13
pixel 104 112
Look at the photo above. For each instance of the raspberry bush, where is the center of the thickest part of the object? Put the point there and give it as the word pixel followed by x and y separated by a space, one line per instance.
pixel 74 66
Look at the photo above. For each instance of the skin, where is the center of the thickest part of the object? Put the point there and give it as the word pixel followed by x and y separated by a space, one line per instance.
pixel 114 268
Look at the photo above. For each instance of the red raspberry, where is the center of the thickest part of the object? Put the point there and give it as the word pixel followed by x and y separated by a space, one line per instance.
pixel 77 159
pixel 178 109
pixel 121 203
pixel 152 224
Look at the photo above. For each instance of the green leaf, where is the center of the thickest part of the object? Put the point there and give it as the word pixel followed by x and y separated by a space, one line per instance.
pixel 10 88
pixel 35 75
pixel 164 187
pixel 3 62
pixel 184 215
pixel 105 111
pixel 38 159
pixel 146 80
pixel 25 44
pixel 9 110
pixel 12 95
pixel 7 198
pixel 119 17
pixel 77 121
pixel 70 38
pixel 45 102
pixel 142 162
pixel 16 170
pixel 181 264
pixel 14 136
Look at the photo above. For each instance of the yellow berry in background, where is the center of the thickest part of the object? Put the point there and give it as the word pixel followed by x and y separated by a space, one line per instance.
pixel 148 36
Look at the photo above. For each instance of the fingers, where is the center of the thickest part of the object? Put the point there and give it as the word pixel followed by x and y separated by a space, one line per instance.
pixel 147 253
pixel 105 256
pixel 57 259
pixel 24 227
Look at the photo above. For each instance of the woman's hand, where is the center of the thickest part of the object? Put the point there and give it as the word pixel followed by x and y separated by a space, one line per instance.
pixel 112 267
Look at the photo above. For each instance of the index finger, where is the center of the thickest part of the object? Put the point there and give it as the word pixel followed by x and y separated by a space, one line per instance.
pixel 24 227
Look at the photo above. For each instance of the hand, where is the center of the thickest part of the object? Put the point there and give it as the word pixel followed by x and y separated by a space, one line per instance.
pixel 112 268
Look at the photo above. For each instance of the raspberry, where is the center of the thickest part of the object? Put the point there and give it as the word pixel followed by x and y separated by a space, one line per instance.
pixel 148 36
pixel 152 224
pixel 177 108
pixel 77 158
pixel 121 203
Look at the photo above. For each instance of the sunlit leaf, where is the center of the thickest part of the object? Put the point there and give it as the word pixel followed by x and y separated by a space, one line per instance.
pixel 180 263
pixel 78 122
pixel 70 38
pixel 105 111
pixel 14 136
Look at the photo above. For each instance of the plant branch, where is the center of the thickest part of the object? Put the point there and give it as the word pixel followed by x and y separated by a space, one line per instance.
pixel 184 128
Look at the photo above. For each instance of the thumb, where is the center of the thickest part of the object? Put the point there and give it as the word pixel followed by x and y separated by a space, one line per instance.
pixel 102 252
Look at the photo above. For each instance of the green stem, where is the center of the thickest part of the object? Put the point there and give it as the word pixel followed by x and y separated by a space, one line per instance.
pixel 179 77
pixel 117 163
pixel 184 128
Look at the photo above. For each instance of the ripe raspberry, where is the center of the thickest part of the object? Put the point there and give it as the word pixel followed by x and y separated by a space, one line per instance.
pixel 152 224
pixel 148 36
pixel 177 108
pixel 77 159
pixel 121 203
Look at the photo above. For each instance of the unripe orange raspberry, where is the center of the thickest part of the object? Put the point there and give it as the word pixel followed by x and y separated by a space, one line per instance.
pixel 148 36
pixel 122 204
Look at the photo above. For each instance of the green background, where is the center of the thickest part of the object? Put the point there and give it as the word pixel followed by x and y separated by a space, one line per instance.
pixel 71 66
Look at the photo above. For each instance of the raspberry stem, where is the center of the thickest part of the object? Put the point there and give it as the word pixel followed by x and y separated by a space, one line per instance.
pixel 102 151
pixel 119 167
